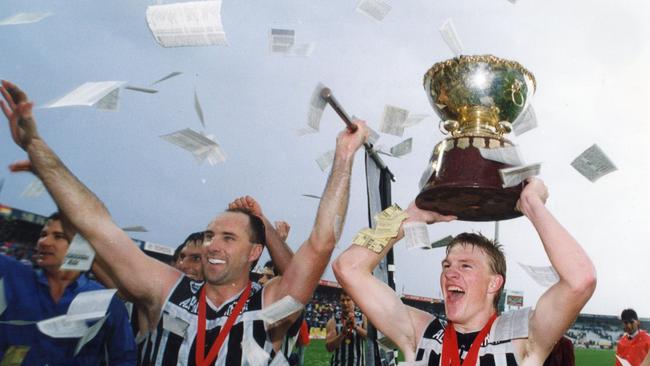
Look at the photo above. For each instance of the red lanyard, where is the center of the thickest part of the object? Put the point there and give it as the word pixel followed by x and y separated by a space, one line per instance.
pixel 200 337
pixel 450 354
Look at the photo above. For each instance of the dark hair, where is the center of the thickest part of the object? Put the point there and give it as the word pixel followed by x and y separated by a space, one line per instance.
pixel 629 314
pixel 195 238
pixel 54 216
pixel 270 265
pixel 491 248
pixel 256 229
pixel 177 253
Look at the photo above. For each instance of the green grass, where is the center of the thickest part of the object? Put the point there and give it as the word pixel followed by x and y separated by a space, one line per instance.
pixel 316 355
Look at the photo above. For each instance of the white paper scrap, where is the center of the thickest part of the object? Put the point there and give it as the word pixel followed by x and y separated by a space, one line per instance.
pixel 3 299
pixel 373 136
pixel 34 189
pixel 80 255
pixel 175 325
pixel 507 155
pixel 201 146
pixel 448 32
pixel 414 119
pixel 593 163
pixel 316 108
pixel 416 235
pixel 280 309
pixel 515 175
pixel 544 276
pixel 166 77
pixel 526 121
pixel 301 50
pixel 442 242
pixel 2 183
pixel 402 148
pixel 312 196
pixel 254 354
pixel 194 23
pixel 141 89
pixel 623 361
pixel 375 9
pixel 198 109
pixel 305 131
pixel 281 40
pixel 87 94
pixel 63 327
pixel 111 102
pixel 89 335
pixel 393 120
pixel 24 18
pixel 325 161
pixel 158 248
pixel 91 305
pixel 136 228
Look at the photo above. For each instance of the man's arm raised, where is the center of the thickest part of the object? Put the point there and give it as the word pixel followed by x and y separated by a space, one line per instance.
pixel 380 303
pixel 558 307
pixel 146 279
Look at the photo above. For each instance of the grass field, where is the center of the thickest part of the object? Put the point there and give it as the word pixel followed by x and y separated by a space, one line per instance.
pixel 316 355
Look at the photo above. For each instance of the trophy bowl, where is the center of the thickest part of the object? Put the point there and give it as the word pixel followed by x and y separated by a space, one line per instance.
pixel 478 98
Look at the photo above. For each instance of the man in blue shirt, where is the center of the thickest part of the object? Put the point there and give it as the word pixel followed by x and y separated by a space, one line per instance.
pixel 31 296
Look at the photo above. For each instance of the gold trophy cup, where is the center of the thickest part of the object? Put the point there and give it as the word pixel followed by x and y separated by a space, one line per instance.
pixel 478 98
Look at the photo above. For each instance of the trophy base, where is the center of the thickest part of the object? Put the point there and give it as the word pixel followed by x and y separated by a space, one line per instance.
pixel 471 203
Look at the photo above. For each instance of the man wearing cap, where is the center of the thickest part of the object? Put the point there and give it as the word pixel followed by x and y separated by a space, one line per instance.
pixel 634 345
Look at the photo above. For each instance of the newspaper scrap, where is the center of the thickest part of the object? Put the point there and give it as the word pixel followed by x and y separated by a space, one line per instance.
pixel 14 355
pixel 141 89
pixel 316 108
pixel 3 299
pixel 301 50
pixel 402 148
pixel 158 248
pixel 201 146
pixel 544 276
pixel 448 32
pixel 136 229
pixel 414 119
pixel 280 309
pixel 62 327
pixel 167 77
pixel 515 175
pixel 525 122
pixel 442 242
pixel 194 23
pixel 507 155
pixel 416 235
pixel 386 226
pixel 175 325
pixel 111 102
pixel 91 305
pixel 24 18
pixel 325 161
pixel 623 361
pixel 198 109
pixel 393 120
pixel 2 183
pixel 593 163
pixel 281 40
pixel 375 9
pixel 91 94
pixel 254 354
pixel 80 255
pixel 373 136
pixel 312 196
pixel 34 189
pixel 89 335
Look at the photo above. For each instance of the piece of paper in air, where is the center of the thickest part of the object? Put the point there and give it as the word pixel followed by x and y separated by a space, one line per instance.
pixel 198 144
pixel 63 327
pixel 414 119
pixel 325 161
pixel 416 235
pixel 525 122
pixel 80 255
pixel 316 108
pixel 166 77
pixel 141 89
pixel 448 33
pixel 194 23
pixel 375 9
pixel 3 299
pixel 312 196
pixel 305 131
pixel 158 248
pixel 593 163
pixel 281 40
pixel 34 189
pixel 280 309
pixel 89 335
pixel 544 276
pixel 301 50
pixel 255 355
pixel 402 148
pixel 373 136
pixel 442 242
pixel 393 120
pixel 24 18
pixel 515 175
pixel 87 94
pixel 2 183
pixel 198 109
pixel 111 102
pixel 138 229
pixel 91 305
pixel 507 155
pixel 623 361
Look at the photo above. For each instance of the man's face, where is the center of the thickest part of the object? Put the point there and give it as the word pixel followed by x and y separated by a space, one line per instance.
pixel 267 275
pixel 630 326
pixel 51 246
pixel 189 261
pixel 466 282
pixel 347 305
pixel 228 252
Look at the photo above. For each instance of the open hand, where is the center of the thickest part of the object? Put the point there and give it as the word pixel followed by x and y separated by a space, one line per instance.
pixel 247 203
pixel 18 110
pixel 430 217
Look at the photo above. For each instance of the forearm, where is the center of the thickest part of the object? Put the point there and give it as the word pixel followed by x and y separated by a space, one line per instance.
pixel 279 251
pixel 333 343
pixel 361 331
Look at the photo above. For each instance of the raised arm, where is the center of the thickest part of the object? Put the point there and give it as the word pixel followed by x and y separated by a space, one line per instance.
pixel 279 251
pixel 380 303
pixel 308 264
pixel 558 307
pixel 126 264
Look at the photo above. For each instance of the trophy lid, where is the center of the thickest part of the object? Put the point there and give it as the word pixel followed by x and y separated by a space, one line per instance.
pixel 479 89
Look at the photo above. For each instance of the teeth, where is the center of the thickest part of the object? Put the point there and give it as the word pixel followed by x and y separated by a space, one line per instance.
pixel 215 261
pixel 455 289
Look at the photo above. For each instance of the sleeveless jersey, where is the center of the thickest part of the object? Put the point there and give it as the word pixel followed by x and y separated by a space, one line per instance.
pixel 496 350
pixel 351 350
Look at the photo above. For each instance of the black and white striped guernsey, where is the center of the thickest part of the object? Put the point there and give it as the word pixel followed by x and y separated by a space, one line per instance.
pixel 496 350
pixel 173 342
pixel 351 350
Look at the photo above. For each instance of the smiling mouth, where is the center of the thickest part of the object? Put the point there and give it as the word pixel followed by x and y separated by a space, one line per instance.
pixel 215 261
pixel 454 293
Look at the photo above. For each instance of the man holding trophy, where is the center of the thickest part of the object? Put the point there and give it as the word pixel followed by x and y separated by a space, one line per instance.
pixel 478 98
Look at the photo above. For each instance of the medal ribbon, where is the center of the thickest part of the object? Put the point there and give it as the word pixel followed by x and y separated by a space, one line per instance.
pixel 450 354
pixel 221 337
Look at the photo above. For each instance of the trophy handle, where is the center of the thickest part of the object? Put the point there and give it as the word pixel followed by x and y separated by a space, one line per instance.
pixel 504 127
pixel 448 126
pixel 516 95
